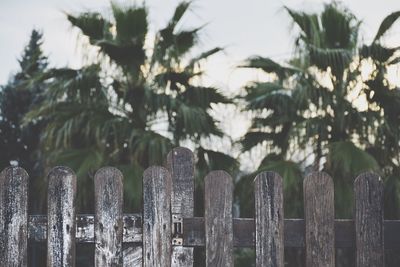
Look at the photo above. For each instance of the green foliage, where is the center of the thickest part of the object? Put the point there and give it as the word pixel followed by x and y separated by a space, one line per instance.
pixel 20 145
pixel 135 104
pixel 307 118
pixel 386 24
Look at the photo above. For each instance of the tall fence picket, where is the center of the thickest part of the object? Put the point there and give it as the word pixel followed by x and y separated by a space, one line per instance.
pixel 108 226
pixel 218 191
pixel 268 190
pixel 319 217
pixel 157 237
pixel 180 163
pixel 368 193
pixel 61 216
pixel 13 217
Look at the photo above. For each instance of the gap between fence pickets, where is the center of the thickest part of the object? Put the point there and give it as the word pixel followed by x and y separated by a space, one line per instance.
pixel 243 231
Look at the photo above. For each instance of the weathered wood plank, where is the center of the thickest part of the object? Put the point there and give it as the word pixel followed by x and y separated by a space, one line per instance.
pixel 157 237
pixel 61 217
pixel 13 217
pixel 180 163
pixel 108 225
pixel 133 254
pixel 368 194
pixel 218 191
pixel 268 191
pixel 320 220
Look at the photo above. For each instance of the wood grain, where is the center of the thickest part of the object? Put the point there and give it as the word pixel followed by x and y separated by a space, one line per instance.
pixel 368 193
pixel 13 217
pixel 268 191
pixel 320 220
pixel 61 226
pixel 218 191
pixel 108 225
pixel 180 163
pixel 157 238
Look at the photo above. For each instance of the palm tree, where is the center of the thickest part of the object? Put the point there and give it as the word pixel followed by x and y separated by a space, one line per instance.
pixel 135 103
pixel 317 112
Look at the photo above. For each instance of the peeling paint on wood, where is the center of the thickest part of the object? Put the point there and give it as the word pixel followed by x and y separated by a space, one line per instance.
pixel 319 216
pixel 218 191
pixel 13 217
pixel 268 190
pixel 157 236
pixel 61 217
pixel 180 163
pixel 368 193
pixel 108 225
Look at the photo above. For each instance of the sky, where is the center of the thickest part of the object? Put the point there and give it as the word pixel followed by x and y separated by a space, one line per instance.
pixel 243 28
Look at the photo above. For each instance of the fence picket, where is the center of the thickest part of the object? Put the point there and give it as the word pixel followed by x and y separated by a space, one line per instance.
pixel 180 165
pixel 13 217
pixel 268 191
pixel 319 217
pixel 368 193
pixel 218 191
pixel 108 226
pixel 61 216
pixel 157 238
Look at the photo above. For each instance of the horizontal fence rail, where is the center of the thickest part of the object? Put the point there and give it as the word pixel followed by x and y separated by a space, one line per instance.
pixel 243 231
pixel 166 232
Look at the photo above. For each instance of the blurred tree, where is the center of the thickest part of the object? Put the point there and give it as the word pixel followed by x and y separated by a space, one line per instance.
pixel 316 111
pixel 142 97
pixel 21 145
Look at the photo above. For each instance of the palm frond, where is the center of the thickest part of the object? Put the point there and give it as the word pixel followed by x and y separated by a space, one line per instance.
pixel 269 66
pixel 309 25
pixel 92 24
pixel 203 97
pixel 131 24
pixel 377 52
pixel 386 24
pixel 270 96
pixel 180 10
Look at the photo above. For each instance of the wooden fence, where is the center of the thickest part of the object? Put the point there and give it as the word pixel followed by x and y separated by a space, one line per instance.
pixel 166 232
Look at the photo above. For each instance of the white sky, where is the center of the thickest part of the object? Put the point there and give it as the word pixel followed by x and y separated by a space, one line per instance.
pixel 253 27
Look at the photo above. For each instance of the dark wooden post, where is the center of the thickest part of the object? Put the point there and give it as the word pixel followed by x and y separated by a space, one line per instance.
pixel 108 217
pixel 218 191
pixel 368 194
pixel 61 222
pixel 320 220
pixel 13 217
pixel 268 190
pixel 157 241
pixel 180 165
